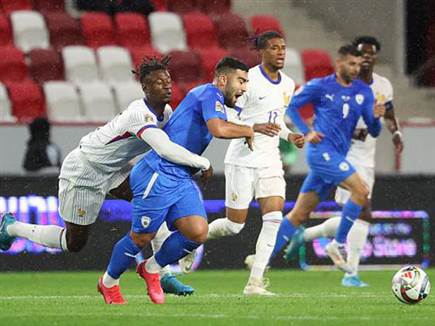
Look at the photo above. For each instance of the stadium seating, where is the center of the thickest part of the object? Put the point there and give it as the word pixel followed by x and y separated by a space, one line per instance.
pixel 64 30
pixel 45 65
pixel 5 31
pixel 9 6
pixel 80 63
pixel 181 7
pixel 214 7
pixel 97 29
pixel 177 96
pixel 293 66
pixel 185 68
pixel 115 64
pixel 131 30
pixel 263 23
pixel 247 55
pixel 126 92
pixel 12 65
pixel 317 63
pixel 46 6
pixel 29 30
pixel 209 58
pixel 200 31
pixel 231 31
pixel 167 31
pixel 5 106
pixel 27 100
pixel 63 103
pixel 138 54
pixel 98 102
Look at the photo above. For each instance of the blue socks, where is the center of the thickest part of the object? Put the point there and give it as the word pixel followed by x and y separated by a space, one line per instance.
pixel 349 214
pixel 285 233
pixel 123 255
pixel 175 247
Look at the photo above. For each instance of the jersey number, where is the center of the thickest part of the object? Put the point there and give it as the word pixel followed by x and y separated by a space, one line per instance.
pixel 345 110
pixel 272 116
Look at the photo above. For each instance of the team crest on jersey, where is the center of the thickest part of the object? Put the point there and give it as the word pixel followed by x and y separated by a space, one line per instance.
pixel 81 212
pixel 344 166
pixel 148 118
pixel 286 97
pixel 359 98
pixel 219 107
pixel 145 221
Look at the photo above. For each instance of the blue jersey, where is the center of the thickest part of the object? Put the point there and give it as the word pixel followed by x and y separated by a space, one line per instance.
pixel 337 109
pixel 187 127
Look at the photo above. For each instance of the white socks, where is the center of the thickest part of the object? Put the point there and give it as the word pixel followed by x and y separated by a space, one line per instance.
pixel 356 239
pixel 51 236
pixel 265 243
pixel 222 227
pixel 109 281
pixel 151 266
pixel 162 234
pixel 327 229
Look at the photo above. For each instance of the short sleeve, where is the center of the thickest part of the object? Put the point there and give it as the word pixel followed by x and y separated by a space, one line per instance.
pixel 212 106
pixel 136 121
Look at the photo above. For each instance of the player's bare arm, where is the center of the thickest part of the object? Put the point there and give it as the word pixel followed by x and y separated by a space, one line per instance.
pixel 393 125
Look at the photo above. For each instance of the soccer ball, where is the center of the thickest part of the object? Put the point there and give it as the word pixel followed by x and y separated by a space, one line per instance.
pixel 411 285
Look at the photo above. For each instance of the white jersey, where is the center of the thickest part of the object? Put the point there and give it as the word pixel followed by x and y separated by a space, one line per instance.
pixel 363 152
pixel 264 101
pixel 112 146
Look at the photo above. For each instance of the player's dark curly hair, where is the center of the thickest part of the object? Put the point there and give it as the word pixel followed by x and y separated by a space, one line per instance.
pixel 227 64
pixel 150 64
pixel 349 49
pixel 365 39
pixel 259 41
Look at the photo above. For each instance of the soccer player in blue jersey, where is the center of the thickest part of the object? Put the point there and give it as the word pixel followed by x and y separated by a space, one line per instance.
pixel 165 192
pixel 339 101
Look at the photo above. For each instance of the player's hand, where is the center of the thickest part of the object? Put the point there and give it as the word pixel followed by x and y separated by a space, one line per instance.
pixel 297 139
pixel 268 129
pixel 379 110
pixel 360 134
pixel 398 142
pixel 314 137
pixel 250 140
pixel 206 176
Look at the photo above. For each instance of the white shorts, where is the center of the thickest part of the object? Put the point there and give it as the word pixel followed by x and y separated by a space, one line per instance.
pixel 244 183
pixel 83 188
pixel 368 176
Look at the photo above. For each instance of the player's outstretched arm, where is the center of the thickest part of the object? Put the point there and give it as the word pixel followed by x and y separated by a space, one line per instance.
pixel 290 136
pixel 165 148
pixel 228 130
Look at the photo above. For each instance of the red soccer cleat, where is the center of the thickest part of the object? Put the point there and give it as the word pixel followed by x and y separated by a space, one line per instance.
pixel 152 280
pixel 110 295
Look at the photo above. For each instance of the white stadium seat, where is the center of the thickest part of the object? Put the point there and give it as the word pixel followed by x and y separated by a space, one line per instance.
pixel 62 101
pixel 80 64
pixel 97 100
pixel 167 31
pixel 29 30
pixel 115 64
pixel 125 93
pixel 5 106
pixel 293 66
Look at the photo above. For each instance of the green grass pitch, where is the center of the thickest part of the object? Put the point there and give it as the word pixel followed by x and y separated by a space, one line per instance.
pixel 303 298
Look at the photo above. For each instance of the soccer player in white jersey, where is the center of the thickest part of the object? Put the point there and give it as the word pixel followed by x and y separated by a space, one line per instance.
pixel 259 173
pixel 101 165
pixel 362 156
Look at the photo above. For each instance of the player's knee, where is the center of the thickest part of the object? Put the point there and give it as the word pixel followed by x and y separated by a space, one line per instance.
pixel 76 237
pixel 198 232
pixel 298 217
pixel 141 240
pixel 76 245
pixel 234 228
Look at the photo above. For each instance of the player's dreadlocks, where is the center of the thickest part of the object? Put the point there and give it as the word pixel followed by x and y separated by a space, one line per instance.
pixel 367 40
pixel 150 64
pixel 259 41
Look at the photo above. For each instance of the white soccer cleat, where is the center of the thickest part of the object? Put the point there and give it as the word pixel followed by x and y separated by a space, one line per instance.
pixel 186 262
pixel 337 254
pixel 249 261
pixel 257 287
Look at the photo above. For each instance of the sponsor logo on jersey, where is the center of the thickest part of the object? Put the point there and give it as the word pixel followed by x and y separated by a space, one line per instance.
pixel 345 98
pixel 145 221
pixel 261 97
pixel 330 97
pixel 359 98
pixel 219 107
pixel 326 156
pixel 344 166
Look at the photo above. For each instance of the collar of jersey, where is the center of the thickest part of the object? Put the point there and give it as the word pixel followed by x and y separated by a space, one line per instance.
pixel 159 117
pixel 275 82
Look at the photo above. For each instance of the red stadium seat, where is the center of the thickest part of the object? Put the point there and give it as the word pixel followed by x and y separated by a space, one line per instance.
pixel 5 32
pixel 138 54
pixel 317 63
pixel 12 65
pixel 159 5
pixel 45 65
pixel 200 31
pixel 132 30
pixel 231 31
pixel 263 23
pixel 209 58
pixel 177 96
pixel 185 66
pixel 214 7
pixel 27 100
pixel 13 5
pixel 97 29
pixel 250 57
pixel 46 6
pixel 182 6
pixel 64 30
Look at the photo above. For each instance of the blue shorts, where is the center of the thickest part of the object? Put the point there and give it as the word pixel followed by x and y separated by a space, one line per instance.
pixel 158 198
pixel 327 170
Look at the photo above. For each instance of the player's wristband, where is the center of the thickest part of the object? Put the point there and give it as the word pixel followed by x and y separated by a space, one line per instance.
pixel 397 132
